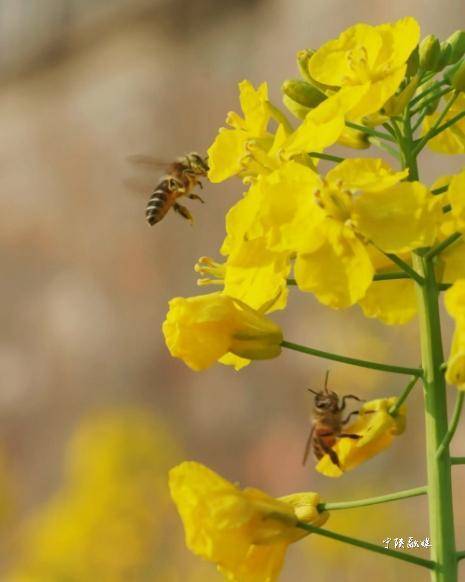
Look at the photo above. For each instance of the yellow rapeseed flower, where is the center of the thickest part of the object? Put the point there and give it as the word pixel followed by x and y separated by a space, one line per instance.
pixel 245 532
pixel 452 139
pixel 455 304
pixel 203 329
pixel 228 149
pixel 370 59
pixel 376 428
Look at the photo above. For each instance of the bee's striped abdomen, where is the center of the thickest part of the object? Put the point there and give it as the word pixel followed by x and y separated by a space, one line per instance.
pixel 162 200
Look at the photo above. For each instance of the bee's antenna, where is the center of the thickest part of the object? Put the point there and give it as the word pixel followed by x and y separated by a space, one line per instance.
pixel 326 381
pixel 313 391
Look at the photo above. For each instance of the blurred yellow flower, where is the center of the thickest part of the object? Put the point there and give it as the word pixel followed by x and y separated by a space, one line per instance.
pixel 451 140
pixel 105 523
pixel 376 428
pixel 455 305
pixel 245 532
pixel 203 329
pixel 370 59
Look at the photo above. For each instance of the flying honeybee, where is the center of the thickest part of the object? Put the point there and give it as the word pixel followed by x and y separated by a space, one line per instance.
pixel 182 176
pixel 327 423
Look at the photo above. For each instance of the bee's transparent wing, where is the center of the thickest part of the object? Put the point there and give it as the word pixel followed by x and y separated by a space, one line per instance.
pixel 144 160
pixel 308 445
pixel 138 186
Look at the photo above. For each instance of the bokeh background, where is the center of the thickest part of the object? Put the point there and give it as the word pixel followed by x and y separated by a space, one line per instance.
pixel 93 411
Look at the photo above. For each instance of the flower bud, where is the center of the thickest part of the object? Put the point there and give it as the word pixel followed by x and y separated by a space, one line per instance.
pixel 458 79
pixel 445 55
pixel 306 507
pixel 303 93
pixel 457 44
pixel 429 53
pixel 297 110
pixel 413 63
pixel 303 58
pixel 397 103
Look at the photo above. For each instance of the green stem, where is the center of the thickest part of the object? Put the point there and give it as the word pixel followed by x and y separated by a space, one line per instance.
pixel 433 133
pixel 453 424
pixel 393 411
pixel 460 556
pixel 438 469
pixel 352 361
pixel 327 157
pixel 405 267
pixel 457 460
pixel 373 500
pixel 370 131
pixel 420 96
pixel 441 514
pixel 442 246
pixel 367 545
pixel 431 99
pixel 390 276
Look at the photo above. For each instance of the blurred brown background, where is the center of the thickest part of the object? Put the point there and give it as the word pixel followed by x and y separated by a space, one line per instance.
pixel 85 282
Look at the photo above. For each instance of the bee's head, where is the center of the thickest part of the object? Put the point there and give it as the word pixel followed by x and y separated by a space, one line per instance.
pixel 197 164
pixel 325 400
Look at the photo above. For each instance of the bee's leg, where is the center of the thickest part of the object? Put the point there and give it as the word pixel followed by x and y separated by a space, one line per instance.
pixel 196 197
pixel 346 397
pixel 182 210
pixel 347 418
pixel 331 452
pixel 345 435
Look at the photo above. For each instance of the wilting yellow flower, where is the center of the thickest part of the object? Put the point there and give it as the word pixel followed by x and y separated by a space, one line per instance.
pixel 455 304
pixel 451 140
pixel 376 428
pixel 245 532
pixel 201 330
pixel 367 58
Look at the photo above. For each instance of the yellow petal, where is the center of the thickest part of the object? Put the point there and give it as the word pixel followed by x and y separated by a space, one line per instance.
pixel 339 271
pixel 367 174
pixel 256 275
pixel 392 302
pixel 375 426
pixel 347 58
pixel 452 140
pixel 457 200
pixel 378 93
pixel 398 219
pixel 225 153
pixel 253 104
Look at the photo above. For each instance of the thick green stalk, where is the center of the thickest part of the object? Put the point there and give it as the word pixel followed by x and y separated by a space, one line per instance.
pixel 441 515
pixel 439 469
